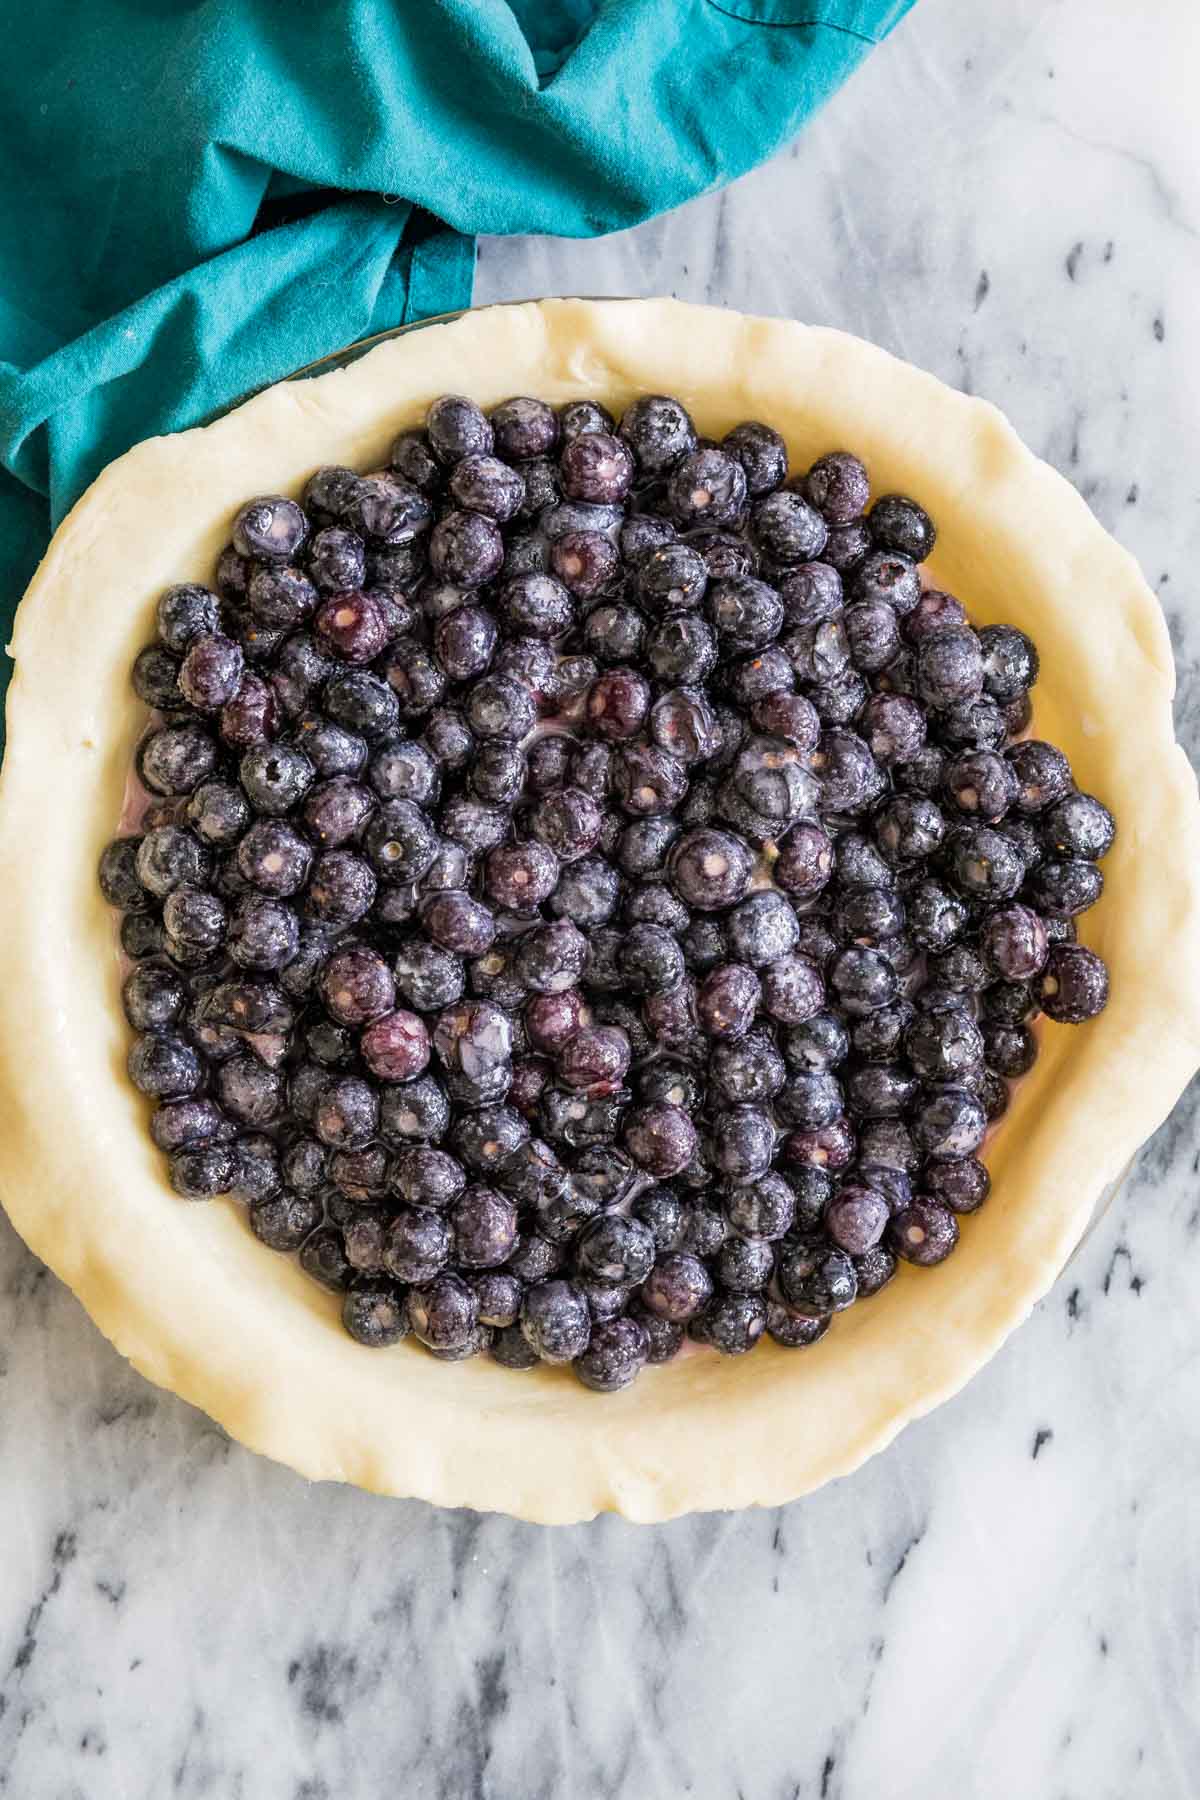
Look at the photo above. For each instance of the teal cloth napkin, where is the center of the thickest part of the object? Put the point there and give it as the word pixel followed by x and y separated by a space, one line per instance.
pixel 199 196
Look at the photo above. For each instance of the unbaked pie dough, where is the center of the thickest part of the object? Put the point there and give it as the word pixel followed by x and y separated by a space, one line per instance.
pixel 200 1306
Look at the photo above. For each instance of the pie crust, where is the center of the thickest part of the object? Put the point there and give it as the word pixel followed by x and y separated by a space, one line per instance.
pixel 190 1296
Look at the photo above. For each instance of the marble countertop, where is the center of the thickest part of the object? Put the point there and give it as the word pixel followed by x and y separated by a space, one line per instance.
pixel 1004 1604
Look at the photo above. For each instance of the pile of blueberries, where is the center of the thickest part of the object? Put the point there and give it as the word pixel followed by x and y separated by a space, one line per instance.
pixel 591 895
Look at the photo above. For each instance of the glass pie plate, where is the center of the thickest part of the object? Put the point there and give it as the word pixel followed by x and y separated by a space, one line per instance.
pixel 249 1337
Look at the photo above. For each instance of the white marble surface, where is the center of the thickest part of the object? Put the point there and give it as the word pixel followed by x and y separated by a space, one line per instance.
pixel 1007 1602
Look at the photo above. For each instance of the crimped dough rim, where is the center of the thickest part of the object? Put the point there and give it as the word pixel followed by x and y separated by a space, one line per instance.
pixel 190 1296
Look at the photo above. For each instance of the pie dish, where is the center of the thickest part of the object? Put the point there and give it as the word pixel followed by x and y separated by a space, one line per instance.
pixel 179 1289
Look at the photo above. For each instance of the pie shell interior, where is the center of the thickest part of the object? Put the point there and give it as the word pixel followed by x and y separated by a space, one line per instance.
pixel 189 1295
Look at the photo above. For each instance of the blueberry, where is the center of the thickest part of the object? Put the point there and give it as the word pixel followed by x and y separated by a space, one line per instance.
pixel 551 958
pixel 614 633
pixel 890 577
pixel 414 1112
pixel 615 1355
pixel 454 921
pixel 887 1143
pixel 710 870
pixel 1078 826
pixel 746 1070
pixel 523 428
pixel 868 915
pixel 763 1209
pixel 659 433
pixel 1073 987
pixel 970 725
pixel 498 1295
pixel 375 1314
pixel 594 1061
pixel 794 1331
pixel 155 678
pixel 153 996
pixel 816 1279
pixel 1010 1050
pixel 746 613
pixel 337 560
pixel 682 649
pixel 273 858
pixel 650 960
pixel 617 704
pixel 585 562
pixel 644 846
pixel 615 1250
pixel 787 528
pixel 921 773
pixel 249 1091
pixel 427 1178
pixel 484 1225
pixel 279 598
pixel 472 824
pixel 141 935
pixel 847 546
pixel 175 759
pixel 949 668
pixel 728 1000
pixel 577 515
pixel 744 1265
pixel 194 921
pixel 923 1233
pixel 872 634
pixel 732 1323
pixel 186 612
pixel 1017 715
pixel 909 829
pixel 531 1077
pixel 1014 942
pixel 323 1256
pixel 661 1138
pixel 555 1320
pixel 707 487
pixel 821 1042
pixel 466 548
pixel 647 780
pixel 341 889
pixel 856 1219
pixel 837 486
pixel 520 876
pixel 1010 662
pixel 596 468
pixel 166 858
pixel 271 528
pixel 587 890
pixel 950 1124
pixel 809 1100
pixel 963 1186
pixel 743 1143
pixel 330 748
pixel 487 1139
pixel 198 1171
pixel 983 864
pixel 863 980
pixel 163 1066
pixel 936 917
pixel 501 706
pixel 672 579
pixel 793 989
pixel 762 928
pixel 899 524
pixel 762 454
pixel 851 780
pixel 510 1349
